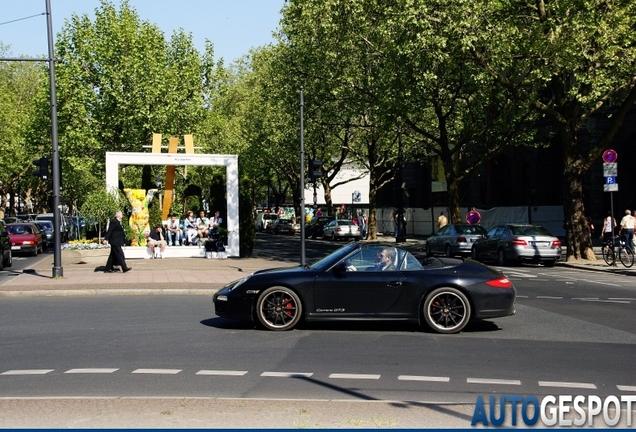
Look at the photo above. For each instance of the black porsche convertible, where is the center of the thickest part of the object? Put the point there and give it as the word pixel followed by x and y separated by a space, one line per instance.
pixel 370 282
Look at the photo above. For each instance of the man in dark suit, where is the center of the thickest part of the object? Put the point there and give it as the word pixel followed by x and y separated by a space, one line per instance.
pixel 117 238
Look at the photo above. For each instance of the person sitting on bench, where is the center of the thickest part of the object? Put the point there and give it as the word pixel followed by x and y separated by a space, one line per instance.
pixel 156 239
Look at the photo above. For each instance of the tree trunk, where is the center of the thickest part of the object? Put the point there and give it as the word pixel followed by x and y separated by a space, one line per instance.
pixel 579 242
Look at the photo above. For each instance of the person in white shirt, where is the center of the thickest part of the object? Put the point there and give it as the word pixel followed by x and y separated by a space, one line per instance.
pixel 609 224
pixel 173 231
pixel 627 228
pixel 214 224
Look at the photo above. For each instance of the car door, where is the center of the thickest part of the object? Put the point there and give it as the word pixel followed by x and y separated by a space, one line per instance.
pixel 357 293
pixel 437 245
pixel 492 242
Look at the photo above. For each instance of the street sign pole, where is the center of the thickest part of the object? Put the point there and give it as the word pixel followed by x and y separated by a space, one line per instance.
pixel 302 181
pixel 610 172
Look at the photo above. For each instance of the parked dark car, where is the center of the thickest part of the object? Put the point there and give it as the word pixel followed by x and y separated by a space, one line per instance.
pixel 25 237
pixel 445 293
pixel 454 239
pixel 47 231
pixel 514 243
pixel 315 226
pixel 283 226
pixel 6 257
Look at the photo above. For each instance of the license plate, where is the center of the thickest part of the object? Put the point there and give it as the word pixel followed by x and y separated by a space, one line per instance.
pixel 539 244
pixel 15 247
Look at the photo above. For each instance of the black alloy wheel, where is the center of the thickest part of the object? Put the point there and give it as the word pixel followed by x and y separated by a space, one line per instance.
pixel 447 310
pixel 449 254
pixel 501 257
pixel 278 309
pixel 474 254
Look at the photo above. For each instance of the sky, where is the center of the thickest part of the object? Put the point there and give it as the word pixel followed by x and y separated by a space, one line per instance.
pixel 233 26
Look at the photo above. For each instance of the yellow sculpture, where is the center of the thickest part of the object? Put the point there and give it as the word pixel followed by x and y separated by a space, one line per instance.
pixel 140 216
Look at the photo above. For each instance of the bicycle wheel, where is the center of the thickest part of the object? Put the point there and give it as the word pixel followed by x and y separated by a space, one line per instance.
pixel 626 255
pixel 608 255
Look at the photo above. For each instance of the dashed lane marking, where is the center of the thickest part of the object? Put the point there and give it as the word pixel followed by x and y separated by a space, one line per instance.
pixel 626 388
pixel 562 384
pixel 550 297
pixel 492 381
pixel 422 378
pixel 354 376
pixel 221 372
pixel 287 374
pixel 623 298
pixel 91 371
pixel 28 372
pixel 157 371
pixel 606 301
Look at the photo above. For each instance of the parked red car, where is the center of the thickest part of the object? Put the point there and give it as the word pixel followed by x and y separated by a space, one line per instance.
pixel 25 237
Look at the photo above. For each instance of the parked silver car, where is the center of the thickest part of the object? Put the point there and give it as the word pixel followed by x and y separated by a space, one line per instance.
pixel 513 243
pixel 341 228
pixel 454 239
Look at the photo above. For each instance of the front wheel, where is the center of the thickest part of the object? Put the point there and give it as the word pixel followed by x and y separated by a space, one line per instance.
pixel 501 257
pixel 608 255
pixel 449 253
pixel 278 308
pixel 626 256
pixel 446 310
pixel 474 254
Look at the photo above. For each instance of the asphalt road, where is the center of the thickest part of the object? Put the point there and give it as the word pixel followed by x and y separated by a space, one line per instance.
pixel 573 334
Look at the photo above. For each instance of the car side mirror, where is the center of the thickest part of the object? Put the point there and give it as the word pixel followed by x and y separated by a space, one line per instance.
pixel 341 267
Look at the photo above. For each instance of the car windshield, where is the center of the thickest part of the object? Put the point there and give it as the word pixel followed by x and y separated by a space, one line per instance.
pixel 529 230
pixel 334 257
pixel 470 229
pixel 45 225
pixel 19 229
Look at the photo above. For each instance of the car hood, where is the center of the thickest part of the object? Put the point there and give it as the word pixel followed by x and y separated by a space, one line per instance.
pixel 281 270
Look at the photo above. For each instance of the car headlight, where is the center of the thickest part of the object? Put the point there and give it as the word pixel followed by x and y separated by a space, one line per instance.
pixel 238 283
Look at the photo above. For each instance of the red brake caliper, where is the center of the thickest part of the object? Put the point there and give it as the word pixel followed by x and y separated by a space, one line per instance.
pixel 289 308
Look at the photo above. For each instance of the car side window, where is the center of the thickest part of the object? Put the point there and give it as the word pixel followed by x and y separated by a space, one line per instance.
pixel 444 230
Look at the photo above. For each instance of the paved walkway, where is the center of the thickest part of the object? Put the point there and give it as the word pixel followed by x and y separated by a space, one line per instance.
pixel 172 276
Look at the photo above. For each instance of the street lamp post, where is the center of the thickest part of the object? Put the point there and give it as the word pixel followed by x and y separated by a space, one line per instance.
pixel 401 228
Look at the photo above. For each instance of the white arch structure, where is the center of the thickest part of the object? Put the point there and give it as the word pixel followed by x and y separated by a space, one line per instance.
pixel 115 159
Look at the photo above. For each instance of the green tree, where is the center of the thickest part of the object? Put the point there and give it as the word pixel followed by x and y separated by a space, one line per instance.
pixel 570 61
pixel 100 206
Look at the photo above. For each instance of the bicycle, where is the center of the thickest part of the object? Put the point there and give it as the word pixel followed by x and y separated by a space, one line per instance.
pixel 617 246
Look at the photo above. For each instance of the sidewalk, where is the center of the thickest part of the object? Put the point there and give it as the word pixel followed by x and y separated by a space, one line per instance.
pixel 182 276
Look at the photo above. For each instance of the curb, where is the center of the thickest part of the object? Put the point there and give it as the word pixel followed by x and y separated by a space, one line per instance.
pixel 106 292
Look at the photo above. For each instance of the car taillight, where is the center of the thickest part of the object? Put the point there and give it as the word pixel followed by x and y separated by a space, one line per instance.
pixel 519 242
pixel 502 282
pixel 556 243
pixel 339 229
pixel 461 239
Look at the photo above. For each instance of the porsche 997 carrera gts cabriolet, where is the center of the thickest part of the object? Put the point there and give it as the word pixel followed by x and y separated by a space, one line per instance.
pixel 370 282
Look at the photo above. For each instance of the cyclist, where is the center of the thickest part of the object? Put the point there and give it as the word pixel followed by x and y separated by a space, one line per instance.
pixel 609 224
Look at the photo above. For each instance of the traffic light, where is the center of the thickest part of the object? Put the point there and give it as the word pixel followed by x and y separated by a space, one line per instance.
pixel 42 170
pixel 314 169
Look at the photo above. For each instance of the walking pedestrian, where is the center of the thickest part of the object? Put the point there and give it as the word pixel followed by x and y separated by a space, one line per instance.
pixel 116 237
pixel 627 226
pixel 442 221
pixel 609 224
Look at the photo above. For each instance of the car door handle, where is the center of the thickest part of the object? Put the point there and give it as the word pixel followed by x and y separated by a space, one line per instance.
pixel 395 283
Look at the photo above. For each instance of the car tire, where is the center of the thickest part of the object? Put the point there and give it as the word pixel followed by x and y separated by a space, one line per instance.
pixel 9 261
pixel 474 254
pixel 333 236
pixel 278 309
pixel 2 263
pixel 446 310
pixel 448 252
pixel 501 257
pixel 429 252
pixel 549 263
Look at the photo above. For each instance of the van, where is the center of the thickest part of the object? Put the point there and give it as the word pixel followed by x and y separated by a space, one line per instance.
pixel 64 228
pixel 263 220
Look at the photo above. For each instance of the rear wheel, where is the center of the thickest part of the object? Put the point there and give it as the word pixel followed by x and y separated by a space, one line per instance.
pixel 448 251
pixel 549 263
pixel 627 256
pixel 429 252
pixel 333 236
pixel 446 310
pixel 608 255
pixel 9 261
pixel 278 308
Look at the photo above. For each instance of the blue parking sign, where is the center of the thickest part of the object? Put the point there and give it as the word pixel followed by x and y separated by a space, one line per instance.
pixel 610 180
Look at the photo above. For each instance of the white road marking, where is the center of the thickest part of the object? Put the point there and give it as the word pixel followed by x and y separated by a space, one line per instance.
pixel 522 296
pixel 623 298
pixel 607 301
pixel 287 374
pixel 584 298
pixel 626 388
pixel 422 378
pixel 354 376
pixel 566 384
pixel 221 372
pixel 28 372
pixel 550 297
pixel 492 381
pixel 91 371
pixel 157 371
